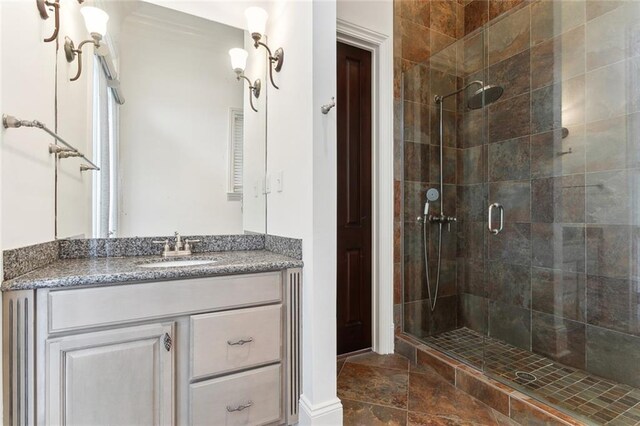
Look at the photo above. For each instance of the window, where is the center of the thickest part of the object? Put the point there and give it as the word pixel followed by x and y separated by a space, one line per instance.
pixel 236 138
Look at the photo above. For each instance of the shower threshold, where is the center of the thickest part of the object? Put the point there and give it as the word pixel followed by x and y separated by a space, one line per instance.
pixel 600 400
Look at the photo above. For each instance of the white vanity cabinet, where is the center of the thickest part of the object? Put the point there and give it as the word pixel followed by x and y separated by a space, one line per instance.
pixel 205 351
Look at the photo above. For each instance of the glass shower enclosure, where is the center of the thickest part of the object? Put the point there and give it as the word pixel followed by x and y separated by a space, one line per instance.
pixel 521 203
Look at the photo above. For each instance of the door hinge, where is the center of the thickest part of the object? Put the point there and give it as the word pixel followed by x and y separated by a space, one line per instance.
pixel 167 341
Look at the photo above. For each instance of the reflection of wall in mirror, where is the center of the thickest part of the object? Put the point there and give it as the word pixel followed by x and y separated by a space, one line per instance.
pixel 174 126
pixel 254 208
pixel 75 123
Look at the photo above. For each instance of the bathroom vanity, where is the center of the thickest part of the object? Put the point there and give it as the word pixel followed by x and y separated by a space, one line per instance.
pixel 111 341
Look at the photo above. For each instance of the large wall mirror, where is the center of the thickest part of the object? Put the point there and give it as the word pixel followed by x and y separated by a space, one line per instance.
pixel 185 150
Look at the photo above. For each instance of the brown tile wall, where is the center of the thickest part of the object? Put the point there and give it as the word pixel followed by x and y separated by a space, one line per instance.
pixel 563 278
pixel 421 28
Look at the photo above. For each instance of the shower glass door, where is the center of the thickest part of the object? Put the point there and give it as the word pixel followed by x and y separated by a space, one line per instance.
pixel 445 166
pixel 544 292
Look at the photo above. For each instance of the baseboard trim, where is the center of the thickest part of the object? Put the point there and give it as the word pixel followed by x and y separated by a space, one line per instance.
pixel 326 414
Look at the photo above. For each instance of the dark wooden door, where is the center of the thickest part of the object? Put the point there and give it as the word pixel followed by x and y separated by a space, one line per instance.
pixel 354 198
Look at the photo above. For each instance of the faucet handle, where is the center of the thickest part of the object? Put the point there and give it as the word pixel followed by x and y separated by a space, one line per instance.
pixel 187 243
pixel 165 242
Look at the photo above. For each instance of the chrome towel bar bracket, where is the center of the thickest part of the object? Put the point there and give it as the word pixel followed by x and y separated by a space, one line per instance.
pixel 327 107
pixel 11 122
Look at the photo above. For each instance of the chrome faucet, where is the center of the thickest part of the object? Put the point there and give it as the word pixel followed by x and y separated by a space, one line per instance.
pixel 179 248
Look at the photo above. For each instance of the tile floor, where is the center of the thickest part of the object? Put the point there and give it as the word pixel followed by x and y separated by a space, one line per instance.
pixel 387 390
pixel 601 400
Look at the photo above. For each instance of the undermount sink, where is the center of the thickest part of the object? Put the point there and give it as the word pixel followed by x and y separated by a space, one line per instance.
pixel 177 263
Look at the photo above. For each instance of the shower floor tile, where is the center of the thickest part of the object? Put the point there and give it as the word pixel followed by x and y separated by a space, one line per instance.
pixel 600 400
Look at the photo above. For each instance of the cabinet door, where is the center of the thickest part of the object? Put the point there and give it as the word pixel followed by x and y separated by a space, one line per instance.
pixel 114 377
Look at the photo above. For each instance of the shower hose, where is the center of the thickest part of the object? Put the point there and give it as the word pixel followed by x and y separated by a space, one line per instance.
pixel 432 300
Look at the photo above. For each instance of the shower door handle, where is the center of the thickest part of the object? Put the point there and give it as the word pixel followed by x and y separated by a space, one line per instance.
pixel 489 221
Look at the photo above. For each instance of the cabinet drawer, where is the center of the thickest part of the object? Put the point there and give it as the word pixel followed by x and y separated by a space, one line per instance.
pixel 227 341
pixel 71 309
pixel 248 398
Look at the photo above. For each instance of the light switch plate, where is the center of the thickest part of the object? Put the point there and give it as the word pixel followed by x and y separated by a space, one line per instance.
pixel 279 180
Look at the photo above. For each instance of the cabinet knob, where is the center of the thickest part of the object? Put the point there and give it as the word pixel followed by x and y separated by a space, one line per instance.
pixel 167 342
pixel 239 407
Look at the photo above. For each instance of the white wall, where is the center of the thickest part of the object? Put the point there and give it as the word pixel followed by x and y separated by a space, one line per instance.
pixel 175 125
pixel 375 15
pixel 27 91
pixel 1 244
pixel 254 207
pixel 301 144
pixel 290 120
pixel 228 12
pixel 74 123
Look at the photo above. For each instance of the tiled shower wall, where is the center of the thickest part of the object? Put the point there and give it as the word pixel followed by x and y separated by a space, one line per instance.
pixel 562 278
pixel 420 28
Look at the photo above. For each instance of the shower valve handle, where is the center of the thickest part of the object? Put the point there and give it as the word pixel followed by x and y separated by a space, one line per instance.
pixel 442 218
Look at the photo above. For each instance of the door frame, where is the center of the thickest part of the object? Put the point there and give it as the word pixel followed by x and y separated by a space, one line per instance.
pixel 381 48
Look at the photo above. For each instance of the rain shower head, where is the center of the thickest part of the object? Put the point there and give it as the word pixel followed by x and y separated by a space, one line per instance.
pixel 484 96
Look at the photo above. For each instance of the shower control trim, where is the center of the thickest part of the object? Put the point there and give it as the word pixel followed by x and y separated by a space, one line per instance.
pixel 495 231
pixel 445 220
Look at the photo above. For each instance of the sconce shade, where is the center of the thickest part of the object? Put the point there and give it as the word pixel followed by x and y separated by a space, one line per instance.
pixel 238 59
pixel 95 20
pixel 256 20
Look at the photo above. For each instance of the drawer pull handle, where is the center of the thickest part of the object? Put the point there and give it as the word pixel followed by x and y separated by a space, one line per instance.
pixel 239 407
pixel 239 342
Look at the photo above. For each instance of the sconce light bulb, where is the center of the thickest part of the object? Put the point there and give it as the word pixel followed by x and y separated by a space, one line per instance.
pixel 256 21
pixel 238 59
pixel 95 20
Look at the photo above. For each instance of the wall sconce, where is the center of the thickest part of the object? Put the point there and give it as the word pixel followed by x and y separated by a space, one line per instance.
pixel 44 14
pixel 239 63
pixel 257 22
pixel 96 22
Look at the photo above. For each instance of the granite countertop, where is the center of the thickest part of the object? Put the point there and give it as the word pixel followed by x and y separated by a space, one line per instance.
pixel 122 270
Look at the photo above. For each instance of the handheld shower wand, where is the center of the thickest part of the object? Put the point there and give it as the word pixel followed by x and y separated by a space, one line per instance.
pixel 432 195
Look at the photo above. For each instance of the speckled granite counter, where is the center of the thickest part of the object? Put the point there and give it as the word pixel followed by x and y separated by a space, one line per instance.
pixel 122 270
